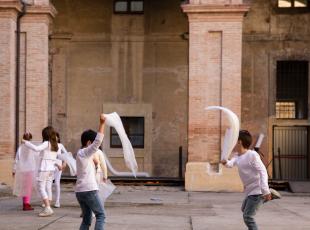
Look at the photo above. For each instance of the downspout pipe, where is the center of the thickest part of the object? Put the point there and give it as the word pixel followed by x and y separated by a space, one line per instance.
pixel 19 16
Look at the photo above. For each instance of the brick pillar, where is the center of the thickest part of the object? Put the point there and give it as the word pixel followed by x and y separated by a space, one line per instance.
pixel 8 17
pixel 36 26
pixel 215 47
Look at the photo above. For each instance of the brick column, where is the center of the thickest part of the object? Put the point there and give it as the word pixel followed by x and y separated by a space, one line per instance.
pixel 8 17
pixel 215 47
pixel 35 24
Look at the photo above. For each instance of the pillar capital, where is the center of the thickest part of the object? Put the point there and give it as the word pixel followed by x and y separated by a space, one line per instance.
pixel 204 12
pixel 42 9
pixel 10 8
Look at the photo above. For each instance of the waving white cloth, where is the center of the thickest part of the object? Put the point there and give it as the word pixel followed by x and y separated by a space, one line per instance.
pixel 113 120
pixel 231 134
pixel 71 162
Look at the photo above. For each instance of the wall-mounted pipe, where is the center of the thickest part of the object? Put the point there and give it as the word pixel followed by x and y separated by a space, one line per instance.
pixel 17 74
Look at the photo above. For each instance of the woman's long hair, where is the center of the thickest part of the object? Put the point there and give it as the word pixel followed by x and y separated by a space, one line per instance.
pixel 49 134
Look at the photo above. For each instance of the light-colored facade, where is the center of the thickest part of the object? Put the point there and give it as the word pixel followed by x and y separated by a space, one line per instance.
pixel 80 58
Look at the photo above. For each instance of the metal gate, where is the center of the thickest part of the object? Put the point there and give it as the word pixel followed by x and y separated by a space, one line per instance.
pixel 290 152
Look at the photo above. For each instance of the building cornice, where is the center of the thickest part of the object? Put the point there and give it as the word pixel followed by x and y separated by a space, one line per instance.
pixel 215 9
pixel 37 9
pixel 11 5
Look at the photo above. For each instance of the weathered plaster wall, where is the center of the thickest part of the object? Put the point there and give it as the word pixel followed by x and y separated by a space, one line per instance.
pixel 269 36
pixel 102 58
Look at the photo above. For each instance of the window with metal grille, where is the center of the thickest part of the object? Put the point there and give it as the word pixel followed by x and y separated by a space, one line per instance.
pixel 134 128
pixel 286 110
pixel 292 90
pixel 128 6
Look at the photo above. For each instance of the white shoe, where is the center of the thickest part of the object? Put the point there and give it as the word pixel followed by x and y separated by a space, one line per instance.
pixel 46 212
pixel 56 205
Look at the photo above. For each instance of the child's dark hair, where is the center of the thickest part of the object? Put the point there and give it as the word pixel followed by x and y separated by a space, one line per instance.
pixel 27 136
pixel 245 138
pixel 58 137
pixel 49 134
pixel 88 135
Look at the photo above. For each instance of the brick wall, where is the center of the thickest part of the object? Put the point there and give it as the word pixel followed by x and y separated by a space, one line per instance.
pixel 214 76
pixel 7 80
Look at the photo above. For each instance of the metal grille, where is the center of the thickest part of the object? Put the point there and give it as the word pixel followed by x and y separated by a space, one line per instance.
pixel 290 153
pixel 286 110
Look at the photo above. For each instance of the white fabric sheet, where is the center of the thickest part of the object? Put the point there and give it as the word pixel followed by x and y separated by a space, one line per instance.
pixel 115 121
pixel 25 171
pixel 232 133
pixel 71 162
pixel 105 190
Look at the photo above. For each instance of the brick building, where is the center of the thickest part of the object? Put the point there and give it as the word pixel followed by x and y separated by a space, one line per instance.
pixel 159 63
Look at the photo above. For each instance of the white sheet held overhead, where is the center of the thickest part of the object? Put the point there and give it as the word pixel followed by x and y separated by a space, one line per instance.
pixel 231 134
pixel 113 120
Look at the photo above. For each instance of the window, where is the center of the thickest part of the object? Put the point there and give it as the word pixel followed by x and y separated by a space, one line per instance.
pixel 286 110
pixel 292 90
pixel 292 3
pixel 292 6
pixel 128 6
pixel 134 128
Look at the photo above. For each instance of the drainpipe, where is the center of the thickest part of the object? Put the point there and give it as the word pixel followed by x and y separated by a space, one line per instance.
pixel 19 16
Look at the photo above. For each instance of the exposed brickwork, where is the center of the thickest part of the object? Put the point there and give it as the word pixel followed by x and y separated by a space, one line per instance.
pixel 7 80
pixel 214 76
pixel 36 29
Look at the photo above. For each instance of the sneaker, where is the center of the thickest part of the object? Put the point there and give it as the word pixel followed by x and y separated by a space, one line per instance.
pixel 27 207
pixel 56 205
pixel 46 212
pixel 275 194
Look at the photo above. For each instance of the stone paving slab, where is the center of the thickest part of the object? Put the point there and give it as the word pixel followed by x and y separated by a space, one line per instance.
pixel 162 208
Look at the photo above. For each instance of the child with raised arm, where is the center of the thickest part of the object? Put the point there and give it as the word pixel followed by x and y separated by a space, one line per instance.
pixel 86 184
pixel 47 155
pixel 253 175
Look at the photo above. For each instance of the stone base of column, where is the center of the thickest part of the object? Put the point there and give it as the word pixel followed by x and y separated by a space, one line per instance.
pixel 6 166
pixel 200 177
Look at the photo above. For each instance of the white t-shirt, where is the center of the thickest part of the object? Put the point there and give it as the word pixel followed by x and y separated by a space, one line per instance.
pixel 252 172
pixel 47 156
pixel 86 178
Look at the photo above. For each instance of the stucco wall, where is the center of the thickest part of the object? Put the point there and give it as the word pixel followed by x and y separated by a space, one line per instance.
pixel 102 58
pixel 269 36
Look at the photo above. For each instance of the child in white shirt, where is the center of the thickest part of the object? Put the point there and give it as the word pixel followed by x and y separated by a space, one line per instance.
pixel 48 155
pixel 57 173
pixel 253 175
pixel 86 184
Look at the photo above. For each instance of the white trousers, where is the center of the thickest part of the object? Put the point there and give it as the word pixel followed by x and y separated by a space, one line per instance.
pixel 44 184
pixel 57 176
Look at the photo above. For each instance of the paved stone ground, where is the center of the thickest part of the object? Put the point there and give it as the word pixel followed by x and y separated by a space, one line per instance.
pixel 162 208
